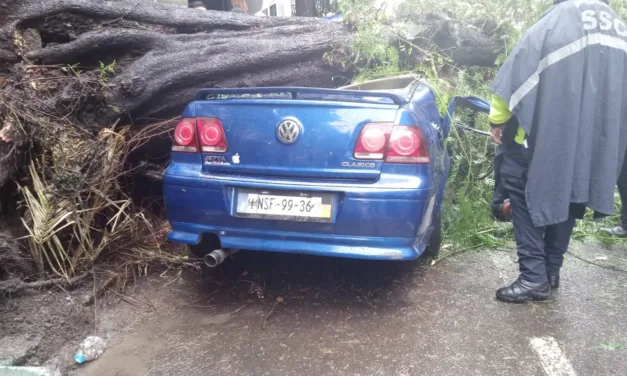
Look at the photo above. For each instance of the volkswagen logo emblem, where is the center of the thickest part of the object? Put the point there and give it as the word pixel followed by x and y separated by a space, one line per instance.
pixel 288 131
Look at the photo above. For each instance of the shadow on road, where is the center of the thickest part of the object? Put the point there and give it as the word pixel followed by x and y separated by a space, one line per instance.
pixel 315 281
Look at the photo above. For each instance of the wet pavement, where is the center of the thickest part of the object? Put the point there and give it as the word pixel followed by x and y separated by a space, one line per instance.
pixel 351 317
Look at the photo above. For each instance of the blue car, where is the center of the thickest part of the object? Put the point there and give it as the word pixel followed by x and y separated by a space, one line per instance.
pixel 356 172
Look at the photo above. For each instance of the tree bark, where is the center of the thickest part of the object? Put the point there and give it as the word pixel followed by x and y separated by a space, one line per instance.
pixel 161 49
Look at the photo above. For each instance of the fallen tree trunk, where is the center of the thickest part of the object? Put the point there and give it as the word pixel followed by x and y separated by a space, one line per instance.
pixel 164 52
pixel 160 50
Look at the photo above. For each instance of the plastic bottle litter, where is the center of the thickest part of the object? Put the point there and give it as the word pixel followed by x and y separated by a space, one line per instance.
pixel 91 348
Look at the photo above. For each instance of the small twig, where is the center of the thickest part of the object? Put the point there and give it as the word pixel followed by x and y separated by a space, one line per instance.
pixel 130 300
pixel 172 281
pixel 244 306
pixel 148 301
pixel 265 320
pixel 470 129
pixel 9 153
pixel 610 267
pixel 456 253
pixel 503 250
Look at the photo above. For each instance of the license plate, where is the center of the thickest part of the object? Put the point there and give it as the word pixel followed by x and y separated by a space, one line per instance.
pixel 296 206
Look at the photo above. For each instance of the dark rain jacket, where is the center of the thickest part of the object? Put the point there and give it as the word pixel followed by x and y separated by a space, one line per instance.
pixel 566 84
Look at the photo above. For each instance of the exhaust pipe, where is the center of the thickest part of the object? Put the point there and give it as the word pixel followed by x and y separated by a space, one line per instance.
pixel 217 257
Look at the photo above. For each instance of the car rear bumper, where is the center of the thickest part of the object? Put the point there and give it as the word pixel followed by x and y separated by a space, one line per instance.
pixel 304 243
pixel 385 221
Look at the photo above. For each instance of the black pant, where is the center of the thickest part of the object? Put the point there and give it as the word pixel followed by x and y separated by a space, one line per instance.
pixel 540 249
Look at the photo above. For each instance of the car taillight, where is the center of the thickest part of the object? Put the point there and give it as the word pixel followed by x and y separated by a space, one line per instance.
pixel 211 134
pixel 209 131
pixel 185 136
pixel 407 145
pixel 373 141
pixel 394 144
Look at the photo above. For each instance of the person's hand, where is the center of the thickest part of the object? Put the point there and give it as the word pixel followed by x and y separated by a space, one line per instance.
pixel 497 134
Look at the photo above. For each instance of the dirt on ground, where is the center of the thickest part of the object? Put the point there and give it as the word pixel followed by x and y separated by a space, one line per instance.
pixel 36 325
pixel 278 314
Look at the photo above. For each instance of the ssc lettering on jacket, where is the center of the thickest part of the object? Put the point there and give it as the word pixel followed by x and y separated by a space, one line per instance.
pixel 604 21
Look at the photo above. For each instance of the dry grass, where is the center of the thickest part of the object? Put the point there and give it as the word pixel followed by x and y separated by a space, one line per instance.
pixel 74 207
pixel 71 226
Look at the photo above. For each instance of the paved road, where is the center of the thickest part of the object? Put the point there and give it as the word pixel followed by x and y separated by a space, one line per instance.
pixel 348 317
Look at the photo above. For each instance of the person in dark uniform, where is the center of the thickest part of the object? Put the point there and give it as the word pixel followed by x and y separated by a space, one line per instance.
pixel 561 121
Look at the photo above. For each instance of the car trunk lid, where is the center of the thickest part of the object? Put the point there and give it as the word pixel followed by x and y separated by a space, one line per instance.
pixel 304 135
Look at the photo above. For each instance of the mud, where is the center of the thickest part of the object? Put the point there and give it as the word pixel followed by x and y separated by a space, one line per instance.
pixel 38 325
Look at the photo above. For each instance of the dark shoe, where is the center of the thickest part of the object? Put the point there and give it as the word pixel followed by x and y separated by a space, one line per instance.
pixel 554 281
pixel 524 291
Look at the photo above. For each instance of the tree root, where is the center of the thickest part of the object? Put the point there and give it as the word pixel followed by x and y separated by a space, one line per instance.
pixel 143 11
pixel 12 286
